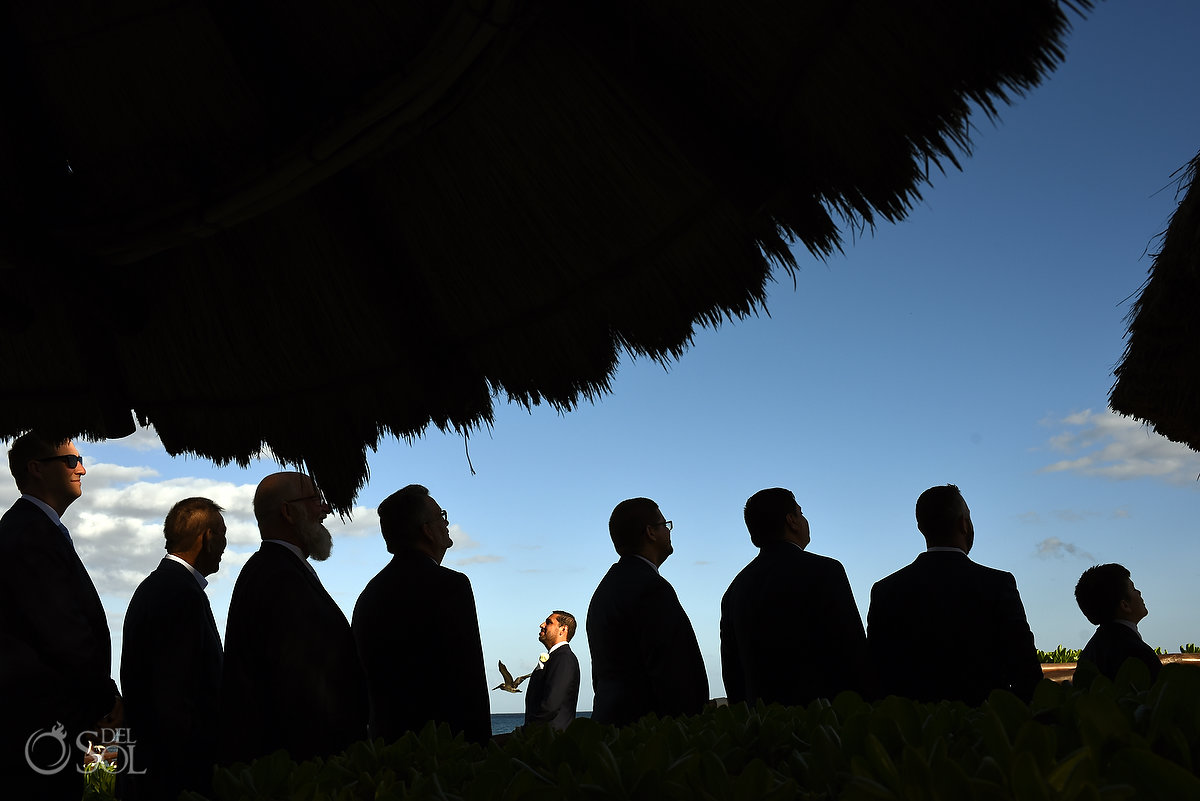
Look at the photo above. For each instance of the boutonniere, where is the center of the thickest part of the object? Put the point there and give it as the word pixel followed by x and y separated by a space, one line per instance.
pixel 543 659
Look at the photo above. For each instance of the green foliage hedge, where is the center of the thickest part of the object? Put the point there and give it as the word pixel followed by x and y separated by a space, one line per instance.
pixel 1062 655
pixel 1096 740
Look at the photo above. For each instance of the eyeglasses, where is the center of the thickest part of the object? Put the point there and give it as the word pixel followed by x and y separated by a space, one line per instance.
pixel 69 459
pixel 445 517
pixel 666 523
pixel 318 497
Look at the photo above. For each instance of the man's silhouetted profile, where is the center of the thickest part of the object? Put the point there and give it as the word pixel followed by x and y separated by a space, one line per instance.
pixel 946 628
pixel 645 657
pixel 1107 598
pixel 417 629
pixel 790 630
pixel 291 676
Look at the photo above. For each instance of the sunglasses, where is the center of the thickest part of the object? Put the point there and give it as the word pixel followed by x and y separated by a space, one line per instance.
pixel 69 459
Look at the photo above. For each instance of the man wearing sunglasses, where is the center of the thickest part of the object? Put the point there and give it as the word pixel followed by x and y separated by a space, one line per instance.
pixel 54 636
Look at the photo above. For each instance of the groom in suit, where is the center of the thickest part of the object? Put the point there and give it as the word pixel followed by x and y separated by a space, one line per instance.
pixel 171 660
pixel 55 650
pixel 927 618
pixel 1107 597
pixel 817 647
pixel 291 676
pixel 553 690
pixel 645 657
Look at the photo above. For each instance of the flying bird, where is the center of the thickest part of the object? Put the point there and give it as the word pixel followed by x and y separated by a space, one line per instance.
pixel 510 685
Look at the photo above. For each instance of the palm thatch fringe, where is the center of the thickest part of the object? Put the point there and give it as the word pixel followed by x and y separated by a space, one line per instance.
pixel 305 229
pixel 1158 379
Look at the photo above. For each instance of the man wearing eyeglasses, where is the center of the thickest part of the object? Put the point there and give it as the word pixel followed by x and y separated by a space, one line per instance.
pixel 417 628
pixel 54 638
pixel 820 648
pixel 291 676
pixel 645 657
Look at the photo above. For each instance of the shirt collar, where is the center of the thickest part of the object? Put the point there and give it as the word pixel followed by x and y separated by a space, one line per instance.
pixel 299 554
pixel 45 507
pixel 557 645
pixel 1128 623
pixel 196 574
pixel 944 549
pixel 647 561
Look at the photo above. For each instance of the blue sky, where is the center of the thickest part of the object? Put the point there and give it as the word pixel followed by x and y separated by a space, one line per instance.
pixel 973 343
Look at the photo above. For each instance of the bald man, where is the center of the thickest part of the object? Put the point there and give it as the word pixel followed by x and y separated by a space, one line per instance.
pixel 291 678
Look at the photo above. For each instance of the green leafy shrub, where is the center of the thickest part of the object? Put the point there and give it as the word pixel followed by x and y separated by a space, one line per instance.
pixel 1190 648
pixel 1095 740
pixel 1058 656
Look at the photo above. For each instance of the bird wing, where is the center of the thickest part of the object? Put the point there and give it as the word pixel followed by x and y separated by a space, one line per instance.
pixel 521 679
pixel 508 679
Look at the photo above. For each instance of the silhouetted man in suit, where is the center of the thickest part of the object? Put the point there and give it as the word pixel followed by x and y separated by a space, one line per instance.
pixel 1107 597
pixel 417 629
pixel 790 630
pixel 645 657
pixel 55 651
pixel 291 676
pixel 925 618
pixel 171 660
pixel 553 689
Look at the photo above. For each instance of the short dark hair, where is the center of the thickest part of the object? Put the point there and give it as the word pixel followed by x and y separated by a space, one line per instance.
pixel 765 514
pixel 24 449
pixel 187 520
pixel 566 619
pixel 938 509
pixel 1100 590
pixel 628 522
pixel 401 515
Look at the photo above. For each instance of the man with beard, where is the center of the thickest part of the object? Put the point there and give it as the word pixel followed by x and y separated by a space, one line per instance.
pixel 55 651
pixel 171 659
pixel 414 606
pixel 553 690
pixel 291 676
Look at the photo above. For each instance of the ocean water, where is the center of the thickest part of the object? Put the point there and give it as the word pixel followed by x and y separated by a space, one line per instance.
pixel 506 722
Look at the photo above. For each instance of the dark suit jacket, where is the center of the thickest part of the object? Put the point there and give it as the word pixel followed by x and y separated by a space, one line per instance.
pixel 947 628
pixel 790 631
pixel 1113 643
pixel 171 677
pixel 645 657
pixel 55 651
pixel 418 636
pixel 553 690
pixel 291 676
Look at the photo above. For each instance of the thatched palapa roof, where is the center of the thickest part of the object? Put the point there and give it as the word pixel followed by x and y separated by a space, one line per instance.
pixel 307 226
pixel 1158 379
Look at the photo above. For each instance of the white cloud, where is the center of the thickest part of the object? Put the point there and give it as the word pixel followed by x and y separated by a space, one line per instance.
pixel 143 440
pixel 116 524
pixel 482 559
pixel 1054 547
pixel 1110 446
pixel 464 542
